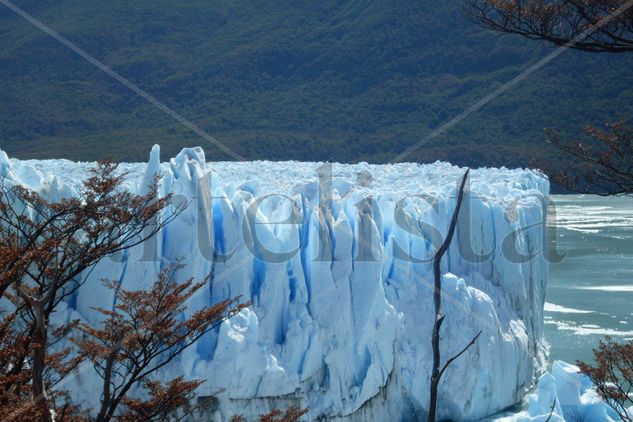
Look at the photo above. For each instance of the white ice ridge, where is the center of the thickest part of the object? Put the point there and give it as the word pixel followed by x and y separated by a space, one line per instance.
pixel 336 259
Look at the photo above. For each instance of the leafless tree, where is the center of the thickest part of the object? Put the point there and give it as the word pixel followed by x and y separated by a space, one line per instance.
pixel 438 368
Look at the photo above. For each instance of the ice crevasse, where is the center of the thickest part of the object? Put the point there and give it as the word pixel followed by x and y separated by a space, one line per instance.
pixel 336 259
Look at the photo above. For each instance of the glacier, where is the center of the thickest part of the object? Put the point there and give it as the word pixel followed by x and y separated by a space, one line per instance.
pixel 337 261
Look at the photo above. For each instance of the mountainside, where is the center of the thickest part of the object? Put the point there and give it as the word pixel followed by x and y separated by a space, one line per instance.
pixel 339 81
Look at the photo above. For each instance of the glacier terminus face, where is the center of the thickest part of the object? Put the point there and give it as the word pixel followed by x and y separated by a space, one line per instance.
pixel 337 261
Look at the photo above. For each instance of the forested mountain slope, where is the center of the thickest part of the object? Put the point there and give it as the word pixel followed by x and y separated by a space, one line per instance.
pixel 328 80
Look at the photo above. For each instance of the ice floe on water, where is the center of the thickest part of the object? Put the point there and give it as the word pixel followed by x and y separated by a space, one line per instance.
pixel 587 217
pixel 587 329
pixel 621 288
pixel 552 307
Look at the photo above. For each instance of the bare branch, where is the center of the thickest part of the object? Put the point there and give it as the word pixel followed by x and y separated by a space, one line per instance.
pixel 437 298
pixel 589 25
pixel 451 360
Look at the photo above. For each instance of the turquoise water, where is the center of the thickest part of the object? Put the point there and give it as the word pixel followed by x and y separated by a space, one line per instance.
pixel 590 292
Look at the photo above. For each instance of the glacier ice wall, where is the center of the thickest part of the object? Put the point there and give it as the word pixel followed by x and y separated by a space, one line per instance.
pixel 337 262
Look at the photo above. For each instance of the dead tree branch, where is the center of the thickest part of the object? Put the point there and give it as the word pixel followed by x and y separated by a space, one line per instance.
pixel 438 369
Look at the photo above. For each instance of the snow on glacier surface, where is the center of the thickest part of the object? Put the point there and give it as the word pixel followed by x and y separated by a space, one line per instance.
pixel 337 262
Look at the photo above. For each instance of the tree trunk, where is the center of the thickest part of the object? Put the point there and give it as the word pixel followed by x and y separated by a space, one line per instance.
pixel 435 376
pixel 116 399
pixel 39 356
pixel 437 300
pixel 106 399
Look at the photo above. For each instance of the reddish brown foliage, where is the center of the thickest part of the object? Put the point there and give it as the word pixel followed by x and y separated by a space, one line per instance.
pixel 605 161
pixel 15 392
pixel 44 247
pixel 141 335
pixel 589 25
pixel 612 374
pixel 292 414
pixel 51 243
pixel 163 403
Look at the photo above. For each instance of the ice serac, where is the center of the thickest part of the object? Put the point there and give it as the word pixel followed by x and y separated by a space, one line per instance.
pixel 336 260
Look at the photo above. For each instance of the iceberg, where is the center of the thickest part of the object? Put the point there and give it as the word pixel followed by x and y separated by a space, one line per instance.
pixel 564 394
pixel 337 261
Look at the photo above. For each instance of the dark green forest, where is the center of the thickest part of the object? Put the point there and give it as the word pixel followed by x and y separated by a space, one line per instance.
pixel 306 80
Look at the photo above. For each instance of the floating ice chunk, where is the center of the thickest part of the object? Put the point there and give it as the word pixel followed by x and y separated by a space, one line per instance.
pixel 552 307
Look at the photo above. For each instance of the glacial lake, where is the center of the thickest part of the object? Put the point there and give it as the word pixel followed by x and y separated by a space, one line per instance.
pixel 590 291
